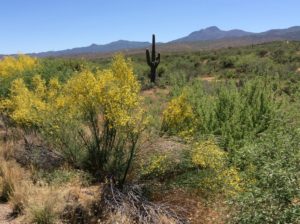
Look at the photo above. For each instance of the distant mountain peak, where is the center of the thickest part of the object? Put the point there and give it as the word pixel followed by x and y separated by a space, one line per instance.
pixel 212 33
pixel 212 28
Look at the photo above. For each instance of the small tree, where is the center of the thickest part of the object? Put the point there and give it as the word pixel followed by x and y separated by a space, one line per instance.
pixel 98 115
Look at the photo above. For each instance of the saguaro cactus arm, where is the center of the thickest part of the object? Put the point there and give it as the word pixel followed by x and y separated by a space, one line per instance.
pixel 158 58
pixel 148 57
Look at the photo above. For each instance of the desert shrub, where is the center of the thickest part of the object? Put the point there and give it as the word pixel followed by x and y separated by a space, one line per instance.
pixel 227 115
pixel 178 116
pixel 206 170
pixel 158 166
pixel 250 65
pixel 229 74
pixel 217 175
pixel 280 56
pixel 208 155
pixel 44 215
pixel 161 70
pixel 262 53
pixel 11 68
pixel 233 114
pixel 61 68
pixel 176 79
pixel 94 117
pixel 272 166
pixel 228 62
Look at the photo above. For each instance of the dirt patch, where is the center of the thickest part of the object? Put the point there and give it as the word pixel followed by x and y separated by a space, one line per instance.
pixel 5 215
pixel 208 78
pixel 38 156
pixel 197 210
pixel 155 93
pixel 165 144
pixel 298 70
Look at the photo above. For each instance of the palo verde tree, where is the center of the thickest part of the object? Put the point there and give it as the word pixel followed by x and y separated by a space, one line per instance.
pixel 95 115
pixel 153 60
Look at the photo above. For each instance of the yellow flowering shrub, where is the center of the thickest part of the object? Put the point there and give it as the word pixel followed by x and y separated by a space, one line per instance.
pixel 156 166
pixel 113 93
pixel 9 66
pixel 208 155
pixel 178 116
pixel 12 68
pixel 226 181
pixel 217 176
pixel 33 107
pixel 23 106
pixel 99 111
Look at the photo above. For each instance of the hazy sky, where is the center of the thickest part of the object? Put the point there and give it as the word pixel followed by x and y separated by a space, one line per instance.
pixel 41 25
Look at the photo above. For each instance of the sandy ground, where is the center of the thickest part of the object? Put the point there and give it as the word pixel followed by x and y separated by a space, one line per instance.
pixel 5 218
pixel 208 78
pixel 5 210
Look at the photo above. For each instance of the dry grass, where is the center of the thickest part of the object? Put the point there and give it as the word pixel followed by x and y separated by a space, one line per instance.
pixel 70 202
pixel 7 150
pixel 129 206
pixel 35 203
pixel 11 175
pixel 199 210
pixel 45 204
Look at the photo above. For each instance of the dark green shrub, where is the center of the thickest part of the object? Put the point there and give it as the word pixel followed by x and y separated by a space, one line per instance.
pixel 272 167
pixel 228 62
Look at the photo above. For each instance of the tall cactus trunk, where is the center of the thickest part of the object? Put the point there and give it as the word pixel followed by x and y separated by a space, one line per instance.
pixel 153 74
pixel 153 47
pixel 152 61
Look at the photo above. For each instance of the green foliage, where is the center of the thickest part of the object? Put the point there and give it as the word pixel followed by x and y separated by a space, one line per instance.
pixel 63 69
pixel 60 177
pixel 272 164
pixel 230 112
pixel 44 215
pixel 228 62
pixel 157 166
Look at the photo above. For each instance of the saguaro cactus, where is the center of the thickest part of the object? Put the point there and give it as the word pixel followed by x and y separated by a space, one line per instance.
pixel 153 61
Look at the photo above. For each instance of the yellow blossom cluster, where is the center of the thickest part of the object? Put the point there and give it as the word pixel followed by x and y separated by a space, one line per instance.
pixel 23 106
pixel 207 155
pixel 178 116
pixel 112 94
pixel 11 66
pixel 157 166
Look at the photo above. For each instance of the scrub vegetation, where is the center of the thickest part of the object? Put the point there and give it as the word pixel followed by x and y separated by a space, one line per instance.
pixel 214 140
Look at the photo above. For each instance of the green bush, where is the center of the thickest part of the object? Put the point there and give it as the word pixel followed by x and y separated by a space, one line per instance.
pixel 228 62
pixel 234 114
pixel 44 215
pixel 272 166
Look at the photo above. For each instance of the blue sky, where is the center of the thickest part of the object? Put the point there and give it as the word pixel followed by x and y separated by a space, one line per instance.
pixel 41 25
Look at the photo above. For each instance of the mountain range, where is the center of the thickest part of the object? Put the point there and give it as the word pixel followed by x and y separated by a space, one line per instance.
pixel 208 38
pixel 212 33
